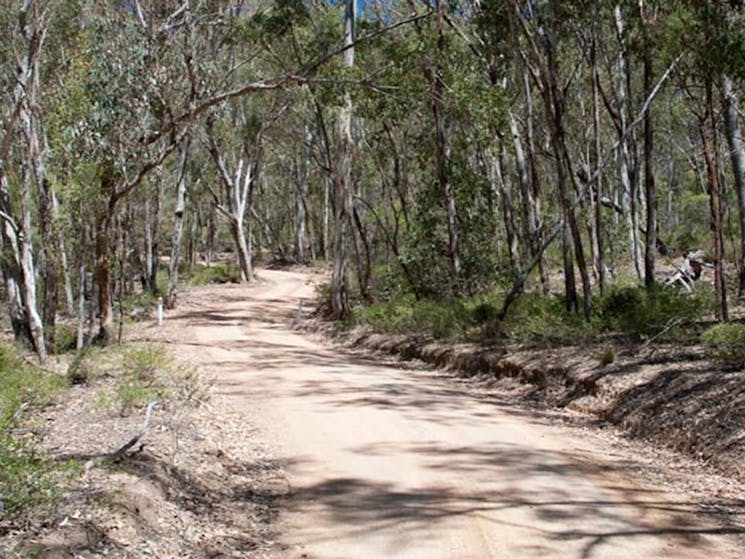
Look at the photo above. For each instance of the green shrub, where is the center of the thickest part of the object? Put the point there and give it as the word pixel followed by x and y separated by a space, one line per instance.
pixel 225 272
pixel 643 311
pixel 145 361
pixel 132 393
pixel 543 319
pixel 323 300
pixel 27 480
pixel 634 311
pixel 139 382
pixel 65 338
pixel 726 342
pixel 484 313
pixel 141 306
pixel 606 357
pixel 22 385
pixel 446 320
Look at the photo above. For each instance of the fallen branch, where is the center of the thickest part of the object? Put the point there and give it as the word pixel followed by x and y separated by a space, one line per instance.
pixel 118 454
pixel 672 323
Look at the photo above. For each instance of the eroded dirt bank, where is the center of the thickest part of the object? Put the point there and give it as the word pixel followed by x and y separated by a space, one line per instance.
pixel 385 461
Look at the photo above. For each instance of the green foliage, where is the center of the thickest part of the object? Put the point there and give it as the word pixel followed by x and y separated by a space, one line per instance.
pixel 145 361
pixel 433 319
pixel 139 382
pixel 65 338
pixel 131 393
pixel 226 272
pixel 606 357
pixel 324 303
pixel 78 371
pixel 691 232
pixel 425 252
pixel 21 386
pixel 543 320
pixel 139 306
pixel 726 342
pixel 639 311
pixel 27 480
pixel 536 319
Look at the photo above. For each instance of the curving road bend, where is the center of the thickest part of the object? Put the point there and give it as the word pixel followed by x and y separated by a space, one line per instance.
pixel 387 462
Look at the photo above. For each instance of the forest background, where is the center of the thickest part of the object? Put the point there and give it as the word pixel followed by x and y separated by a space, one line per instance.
pixel 445 158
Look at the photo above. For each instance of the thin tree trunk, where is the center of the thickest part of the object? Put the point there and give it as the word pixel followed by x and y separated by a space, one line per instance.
pixel 503 191
pixel 535 186
pixel 442 147
pixel 178 227
pixel 530 222
pixel 363 255
pixel 102 279
pixel 49 257
pixel 11 264
pixel 343 183
pixel 150 246
pixel 736 150
pixel 65 262
pixel 326 245
pixel 211 236
pixel 650 194
pixel 628 178
pixel 242 253
pixel 103 254
pixel 81 308
pixel 28 269
pixel 595 150
pixel 301 194
pixel 715 201
pixel 155 236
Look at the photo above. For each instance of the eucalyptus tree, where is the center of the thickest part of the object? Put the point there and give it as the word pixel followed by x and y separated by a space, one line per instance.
pixel 238 168
pixel 731 53
pixel 22 145
pixel 343 181
pixel 733 129
pixel 132 76
pixel 716 33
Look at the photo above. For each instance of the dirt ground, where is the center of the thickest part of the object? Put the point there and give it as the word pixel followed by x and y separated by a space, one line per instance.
pixel 307 449
pixel 388 460
pixel 199 484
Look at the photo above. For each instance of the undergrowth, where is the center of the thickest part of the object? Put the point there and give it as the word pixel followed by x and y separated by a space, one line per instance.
pixel 225 272
pixel 146 374
pixel 726 343
pixel 28 481
pixel 634 313
pixel 139 380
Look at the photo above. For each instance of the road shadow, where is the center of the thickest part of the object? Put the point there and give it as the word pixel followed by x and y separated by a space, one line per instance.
pixel 553 514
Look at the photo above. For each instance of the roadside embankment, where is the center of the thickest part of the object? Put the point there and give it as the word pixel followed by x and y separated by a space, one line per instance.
pixel 671 396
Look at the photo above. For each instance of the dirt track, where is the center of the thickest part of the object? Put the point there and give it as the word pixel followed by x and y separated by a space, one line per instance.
pixel 387 462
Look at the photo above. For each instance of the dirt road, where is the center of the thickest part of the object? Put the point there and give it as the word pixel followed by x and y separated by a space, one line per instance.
pixel 387 462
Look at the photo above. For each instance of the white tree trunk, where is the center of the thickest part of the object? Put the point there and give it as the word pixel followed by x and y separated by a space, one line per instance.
pixel 178 228
pixel 342 182
pixel 628 180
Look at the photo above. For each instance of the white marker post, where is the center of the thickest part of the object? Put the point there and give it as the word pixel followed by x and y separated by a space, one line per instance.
pixel 160 311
